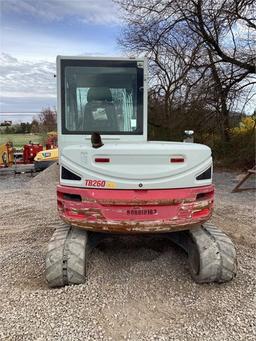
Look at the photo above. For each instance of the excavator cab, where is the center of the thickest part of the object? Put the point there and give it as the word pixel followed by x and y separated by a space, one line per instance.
pixel 125 184
pixel 102 95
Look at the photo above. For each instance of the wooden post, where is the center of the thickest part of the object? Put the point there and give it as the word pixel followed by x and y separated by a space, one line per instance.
pixel 247 175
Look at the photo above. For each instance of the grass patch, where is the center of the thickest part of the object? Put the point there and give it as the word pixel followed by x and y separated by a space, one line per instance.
pixel 19 140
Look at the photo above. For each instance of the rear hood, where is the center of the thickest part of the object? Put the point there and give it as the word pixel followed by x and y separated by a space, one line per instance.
pixel 137 161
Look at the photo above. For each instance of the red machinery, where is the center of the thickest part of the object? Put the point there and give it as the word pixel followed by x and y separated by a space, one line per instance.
pixel 30 150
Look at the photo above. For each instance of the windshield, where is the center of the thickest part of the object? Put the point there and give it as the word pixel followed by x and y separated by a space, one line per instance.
pixel 104 97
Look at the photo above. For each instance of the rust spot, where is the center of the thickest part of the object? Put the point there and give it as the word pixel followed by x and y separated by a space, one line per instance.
pixel 133 227
pixel 93 215
pixel 161 202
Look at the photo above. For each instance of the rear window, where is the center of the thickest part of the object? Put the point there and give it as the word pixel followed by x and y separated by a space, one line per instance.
pixel 102 96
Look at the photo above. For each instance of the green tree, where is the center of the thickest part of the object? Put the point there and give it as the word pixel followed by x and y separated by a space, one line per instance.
pixel 34 126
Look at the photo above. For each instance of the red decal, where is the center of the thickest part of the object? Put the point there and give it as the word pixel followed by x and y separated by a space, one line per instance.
pixel 95 183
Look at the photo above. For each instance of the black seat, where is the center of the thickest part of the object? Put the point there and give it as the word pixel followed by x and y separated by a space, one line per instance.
pixel 99 111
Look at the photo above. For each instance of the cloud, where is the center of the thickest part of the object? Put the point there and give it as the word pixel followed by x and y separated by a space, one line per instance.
pixel 5 58
pixel 89 11
pixel 38 45
pixel 20 105
pixel 26 85
pixel 19 78
pixel 35 31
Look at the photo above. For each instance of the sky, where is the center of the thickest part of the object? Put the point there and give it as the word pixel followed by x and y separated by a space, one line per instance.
pixel 34 32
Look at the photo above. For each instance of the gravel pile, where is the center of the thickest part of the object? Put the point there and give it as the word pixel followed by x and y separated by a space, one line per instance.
pixel 12 181
pixel 138 288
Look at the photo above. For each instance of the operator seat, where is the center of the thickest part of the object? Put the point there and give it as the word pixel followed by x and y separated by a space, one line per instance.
pixel 99 111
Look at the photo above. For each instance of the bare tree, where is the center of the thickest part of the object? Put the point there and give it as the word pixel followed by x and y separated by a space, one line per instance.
pixel 47 119
pixel 226 27
pixel 193 45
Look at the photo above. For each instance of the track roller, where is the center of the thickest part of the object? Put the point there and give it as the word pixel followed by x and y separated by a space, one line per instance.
pixel 66 257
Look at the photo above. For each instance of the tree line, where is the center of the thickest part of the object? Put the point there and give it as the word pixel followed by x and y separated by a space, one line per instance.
pixel 201 62
pixel 47 121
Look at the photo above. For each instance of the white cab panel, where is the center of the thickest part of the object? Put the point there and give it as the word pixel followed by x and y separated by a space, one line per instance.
pixel 133 164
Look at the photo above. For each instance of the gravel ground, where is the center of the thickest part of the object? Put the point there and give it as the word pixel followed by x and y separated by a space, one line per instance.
pixel 138 288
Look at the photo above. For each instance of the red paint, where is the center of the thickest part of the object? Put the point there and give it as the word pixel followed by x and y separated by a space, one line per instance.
pixel 201 213
pixel 139 208
pixel 30 151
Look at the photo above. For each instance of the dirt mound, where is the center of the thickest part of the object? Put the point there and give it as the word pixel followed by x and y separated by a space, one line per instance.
pixel 47 178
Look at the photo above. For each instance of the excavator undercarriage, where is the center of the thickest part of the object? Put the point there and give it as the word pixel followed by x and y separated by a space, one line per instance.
pixel 211 254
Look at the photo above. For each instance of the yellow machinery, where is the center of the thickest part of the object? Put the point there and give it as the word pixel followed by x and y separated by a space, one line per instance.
pixel 6 154
pixel 45 158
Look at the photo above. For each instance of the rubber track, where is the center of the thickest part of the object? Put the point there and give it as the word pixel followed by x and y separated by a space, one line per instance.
pixel 66 257
pixel 216 255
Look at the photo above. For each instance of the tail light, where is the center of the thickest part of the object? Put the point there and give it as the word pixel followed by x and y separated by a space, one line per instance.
pixel 177 159
pixel 102 159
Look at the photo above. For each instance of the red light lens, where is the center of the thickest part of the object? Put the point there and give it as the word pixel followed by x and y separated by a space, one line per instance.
pixel 177 159
pixel 102 159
